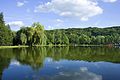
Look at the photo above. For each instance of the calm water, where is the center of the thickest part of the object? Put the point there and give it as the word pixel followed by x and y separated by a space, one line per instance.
pixel 60 63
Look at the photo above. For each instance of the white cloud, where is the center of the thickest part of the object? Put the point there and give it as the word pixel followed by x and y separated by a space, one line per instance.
pixel 16 23
pixel 109 1
pixel 59 20
pixel 19 4
pixel 82 9
pixel 49 28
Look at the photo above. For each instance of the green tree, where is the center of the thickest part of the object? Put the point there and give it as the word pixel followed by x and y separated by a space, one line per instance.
pixel 73 39
pixel 64 39
pixel 100 40
pixel 39 37
pixel 57 37
pixel 93 39
pixel 30 33
pixel 34 35
pixel 23 38
pixel 84 39
pixel 5 32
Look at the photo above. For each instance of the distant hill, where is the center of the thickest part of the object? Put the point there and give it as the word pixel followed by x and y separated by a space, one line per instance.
pixel 90 35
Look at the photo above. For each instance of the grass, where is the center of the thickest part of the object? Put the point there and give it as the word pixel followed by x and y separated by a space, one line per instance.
pixel 1 47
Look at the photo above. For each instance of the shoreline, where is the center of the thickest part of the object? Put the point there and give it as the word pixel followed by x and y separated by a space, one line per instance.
pixel 3 47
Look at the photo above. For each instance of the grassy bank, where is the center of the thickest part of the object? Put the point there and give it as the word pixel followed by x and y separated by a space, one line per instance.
pixel 1 47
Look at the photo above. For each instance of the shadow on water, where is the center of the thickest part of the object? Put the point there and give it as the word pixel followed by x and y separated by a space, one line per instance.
pixel 35 58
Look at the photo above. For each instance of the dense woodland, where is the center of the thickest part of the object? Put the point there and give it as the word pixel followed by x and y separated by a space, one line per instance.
pixel 36 35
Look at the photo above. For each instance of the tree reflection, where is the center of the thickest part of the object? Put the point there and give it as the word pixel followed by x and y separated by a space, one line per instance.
pixel 35 56
pixel 5 58
pixel 31 56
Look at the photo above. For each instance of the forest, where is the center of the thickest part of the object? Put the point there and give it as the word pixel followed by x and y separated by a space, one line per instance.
pixel 37 35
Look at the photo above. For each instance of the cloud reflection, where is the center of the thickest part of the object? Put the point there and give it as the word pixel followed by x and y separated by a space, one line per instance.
pixel 82 74
pixel 15 63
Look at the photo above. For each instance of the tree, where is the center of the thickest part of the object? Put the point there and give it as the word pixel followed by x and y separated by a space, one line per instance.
pixel 73 39
pixel 100 40
pixel 4 32
pixel 23 38
pixel 34 35
pixel 93 39
pixel 108 39
pixel 30 33
pixel 64 39
pixel 39 36
pixel 57 37
pixel 84 39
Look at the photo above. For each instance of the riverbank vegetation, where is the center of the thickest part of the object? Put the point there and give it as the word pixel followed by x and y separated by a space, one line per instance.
pixel 36 35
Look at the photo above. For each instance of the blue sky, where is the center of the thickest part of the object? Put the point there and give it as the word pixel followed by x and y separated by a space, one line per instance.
pixel 56 14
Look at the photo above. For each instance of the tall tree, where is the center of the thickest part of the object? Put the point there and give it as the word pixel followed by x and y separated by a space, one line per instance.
pixel 84 39
pixel 39 36
pixel 64 39
pixel 34 35
pixel 30 33
pixel 5 32
pixel 23 38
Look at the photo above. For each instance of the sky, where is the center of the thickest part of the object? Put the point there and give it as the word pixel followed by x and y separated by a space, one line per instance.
pixel 59 14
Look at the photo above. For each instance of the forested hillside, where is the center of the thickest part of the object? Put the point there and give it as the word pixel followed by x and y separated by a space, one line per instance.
pixel 36 35
pixel 78 36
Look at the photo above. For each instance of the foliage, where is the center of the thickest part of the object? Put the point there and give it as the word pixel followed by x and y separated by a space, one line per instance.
pixel 90 36
pixel 23 38
pixel 33 35
pixel 57 37
pixel 6 34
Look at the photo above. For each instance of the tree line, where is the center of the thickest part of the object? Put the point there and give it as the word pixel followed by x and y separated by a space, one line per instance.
pixel 36 35
pixel 87 36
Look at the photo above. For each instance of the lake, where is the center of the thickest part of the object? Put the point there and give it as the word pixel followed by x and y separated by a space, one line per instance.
pixel 60 63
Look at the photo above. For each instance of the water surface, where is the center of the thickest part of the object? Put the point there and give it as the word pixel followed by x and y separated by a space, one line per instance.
pixel 60 63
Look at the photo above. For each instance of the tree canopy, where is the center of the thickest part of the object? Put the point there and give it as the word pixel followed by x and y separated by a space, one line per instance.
pixel 90 36
pixel 6 34
pixel 34 35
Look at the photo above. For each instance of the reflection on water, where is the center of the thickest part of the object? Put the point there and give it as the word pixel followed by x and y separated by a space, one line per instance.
pixel 60 63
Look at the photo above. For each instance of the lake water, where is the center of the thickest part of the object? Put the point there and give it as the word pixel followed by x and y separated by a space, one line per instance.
pixel 60 63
